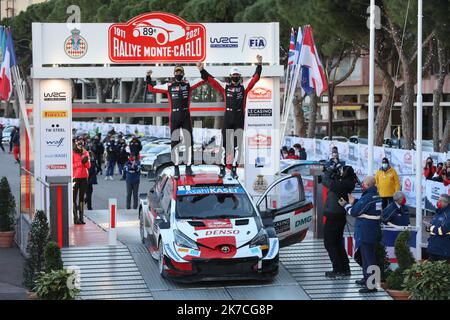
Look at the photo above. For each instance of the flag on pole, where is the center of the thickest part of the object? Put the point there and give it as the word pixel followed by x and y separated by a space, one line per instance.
pixel 291 56
pixel 2 30
pixel 3 42
pixel 313 77
pixel 298 47
pixel 9 60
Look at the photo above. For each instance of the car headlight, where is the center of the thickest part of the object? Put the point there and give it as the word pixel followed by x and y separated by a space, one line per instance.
pixel 182 240
pixel 261 239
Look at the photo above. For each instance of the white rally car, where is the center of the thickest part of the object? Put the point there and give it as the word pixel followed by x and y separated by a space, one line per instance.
pixel 208 228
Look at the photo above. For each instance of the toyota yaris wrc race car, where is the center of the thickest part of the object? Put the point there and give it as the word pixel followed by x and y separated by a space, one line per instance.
pixel 208 228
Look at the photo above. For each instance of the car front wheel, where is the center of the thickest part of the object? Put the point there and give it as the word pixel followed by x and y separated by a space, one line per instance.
pixel 161 258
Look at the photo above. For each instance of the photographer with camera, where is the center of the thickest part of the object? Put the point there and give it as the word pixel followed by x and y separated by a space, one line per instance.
pixel 340 181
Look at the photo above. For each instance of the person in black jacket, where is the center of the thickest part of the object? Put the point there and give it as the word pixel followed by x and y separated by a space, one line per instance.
pixel 123 156
pixel 135 146
pixel 339 181
pixel 98 149
pixel 112 153
pixel 92 179
pixel 11 135
pixel 1 137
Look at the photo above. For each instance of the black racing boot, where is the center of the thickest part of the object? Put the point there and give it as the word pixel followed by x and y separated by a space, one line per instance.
pixel 75 215
pixel 82 218
pixel 222 171
pixel 177 173
pixel 189 171
pixel 234 172
pixel 361 282
pixel 81 214
pixel 331 274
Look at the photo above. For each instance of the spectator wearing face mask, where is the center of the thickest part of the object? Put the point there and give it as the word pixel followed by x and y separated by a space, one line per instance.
pixel 446 175
pixel 439 229
pixel 429 169
pixel 292 155
pixel 396 213
pixel 387 182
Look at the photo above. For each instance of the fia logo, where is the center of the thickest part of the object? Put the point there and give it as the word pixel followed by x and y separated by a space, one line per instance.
pixel 257 43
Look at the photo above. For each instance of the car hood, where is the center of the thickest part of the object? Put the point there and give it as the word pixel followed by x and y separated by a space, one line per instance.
pixel 148 158
pixel 216 232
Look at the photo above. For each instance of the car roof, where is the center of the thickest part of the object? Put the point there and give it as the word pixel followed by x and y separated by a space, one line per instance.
pixel 204 175
pixel 301 162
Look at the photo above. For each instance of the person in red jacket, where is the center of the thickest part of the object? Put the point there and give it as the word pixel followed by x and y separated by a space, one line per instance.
pixel 292 155
pixel 429 169
pixel 446 176
pixel 80 166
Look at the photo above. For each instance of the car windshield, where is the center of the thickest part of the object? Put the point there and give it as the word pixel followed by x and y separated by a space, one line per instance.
pixel 158 149
pixel 213 202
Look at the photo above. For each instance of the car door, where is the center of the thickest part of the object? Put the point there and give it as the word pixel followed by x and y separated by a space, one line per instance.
pixel 154 202
pixel 284 206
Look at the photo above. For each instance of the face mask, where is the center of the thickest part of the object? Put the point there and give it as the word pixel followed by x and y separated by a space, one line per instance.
pixel 178 77
pixel 385 165
pixel 439 205
pixel 429 164
pixel 403 202
pixel 363 187
pixel 236 79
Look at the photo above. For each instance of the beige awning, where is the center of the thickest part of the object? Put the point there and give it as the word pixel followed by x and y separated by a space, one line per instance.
pixel 348 107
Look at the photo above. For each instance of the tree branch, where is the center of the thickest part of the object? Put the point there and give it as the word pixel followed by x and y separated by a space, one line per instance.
pixel 424 44
pixel 349 72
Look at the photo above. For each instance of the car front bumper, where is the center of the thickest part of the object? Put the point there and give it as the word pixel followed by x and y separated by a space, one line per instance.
pixel 199 270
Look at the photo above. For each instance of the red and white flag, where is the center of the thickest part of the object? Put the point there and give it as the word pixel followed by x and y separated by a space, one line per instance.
pixel 313 76
pixel 9 60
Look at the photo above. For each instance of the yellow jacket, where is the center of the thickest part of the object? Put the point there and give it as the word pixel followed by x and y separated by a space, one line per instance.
pixel 387 182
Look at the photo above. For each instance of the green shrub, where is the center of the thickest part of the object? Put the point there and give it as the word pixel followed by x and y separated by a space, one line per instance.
pixel 37 240
pixel 52 256
pixel 7 206
pixel 56 285
pixel 394 281
pixel 405 260
pixel 428 281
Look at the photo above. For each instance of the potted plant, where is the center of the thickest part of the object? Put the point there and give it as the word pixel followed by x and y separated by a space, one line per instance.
pixel 52 257
pixel 405 259
pixel 428 281
pixel 56 285
pixel 37 240
pixel 7 214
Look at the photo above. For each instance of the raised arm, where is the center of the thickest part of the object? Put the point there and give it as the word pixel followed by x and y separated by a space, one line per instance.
pixel 160 88
pixel 249 84
pixel 216 84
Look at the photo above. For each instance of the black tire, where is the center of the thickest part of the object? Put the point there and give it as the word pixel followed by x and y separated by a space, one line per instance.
pixel 141 226
pixel 161 258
